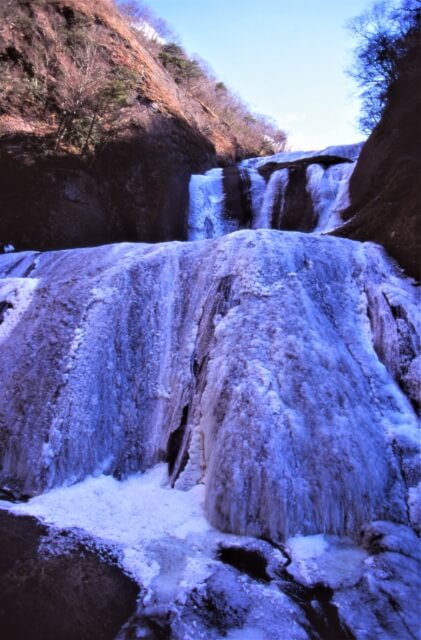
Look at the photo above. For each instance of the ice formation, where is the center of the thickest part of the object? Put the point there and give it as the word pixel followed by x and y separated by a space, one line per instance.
pixel 207 213
pixel 326 178
pixel 249 363
pixel 234 416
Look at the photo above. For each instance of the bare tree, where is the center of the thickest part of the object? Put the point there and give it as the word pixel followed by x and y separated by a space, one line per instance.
pixel 383 35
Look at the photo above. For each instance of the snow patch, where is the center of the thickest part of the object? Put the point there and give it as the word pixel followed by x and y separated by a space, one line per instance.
pixel 134 515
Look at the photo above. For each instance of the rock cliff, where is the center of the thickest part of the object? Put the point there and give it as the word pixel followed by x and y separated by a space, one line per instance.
pixel 385 186
pixel 134 183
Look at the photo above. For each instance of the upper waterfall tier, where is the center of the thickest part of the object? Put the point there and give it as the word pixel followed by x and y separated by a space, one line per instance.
pixel 271 366
pixel 295 191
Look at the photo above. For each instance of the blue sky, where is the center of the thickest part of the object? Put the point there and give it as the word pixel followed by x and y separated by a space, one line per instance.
pixel 285 58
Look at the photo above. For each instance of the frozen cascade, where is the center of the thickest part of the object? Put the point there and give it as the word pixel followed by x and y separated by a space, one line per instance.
pixel 251 363
pixel 274 197
pixel 310 188
pixel 206 197
pixel 208 217
pixel 328 189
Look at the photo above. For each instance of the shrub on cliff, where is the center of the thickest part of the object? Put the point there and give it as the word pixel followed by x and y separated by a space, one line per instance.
pixel 255 134
pixel 182 68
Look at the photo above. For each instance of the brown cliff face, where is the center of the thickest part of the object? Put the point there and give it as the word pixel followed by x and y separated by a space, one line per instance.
pixel 130 185
pixel 385 187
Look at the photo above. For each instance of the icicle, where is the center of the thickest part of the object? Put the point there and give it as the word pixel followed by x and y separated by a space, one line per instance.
pixel 205 218
pixel 329 191
pixel 273 200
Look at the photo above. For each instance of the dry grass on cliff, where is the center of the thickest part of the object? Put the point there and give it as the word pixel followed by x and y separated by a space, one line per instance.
pixel 61 57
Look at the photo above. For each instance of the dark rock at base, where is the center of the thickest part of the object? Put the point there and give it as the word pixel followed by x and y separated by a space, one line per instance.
pixel 51 595
pixel 385 187
pixel 238 204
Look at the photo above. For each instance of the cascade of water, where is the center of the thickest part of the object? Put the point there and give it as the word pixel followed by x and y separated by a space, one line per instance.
pixel 245 362
pixel 314 203
pixel 206 208
pixel 273 199
pixel 329 192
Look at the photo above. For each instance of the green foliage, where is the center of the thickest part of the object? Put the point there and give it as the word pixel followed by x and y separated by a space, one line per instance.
pixel 116 91
pixel 175 60
pixel 75 33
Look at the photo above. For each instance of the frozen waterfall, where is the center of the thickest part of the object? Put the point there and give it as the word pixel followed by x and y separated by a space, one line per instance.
pixel 232 419
pixel 249 363
pixel 209 215
pixel 274 192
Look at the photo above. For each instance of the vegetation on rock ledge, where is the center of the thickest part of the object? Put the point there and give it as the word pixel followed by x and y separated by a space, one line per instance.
pixel 72 68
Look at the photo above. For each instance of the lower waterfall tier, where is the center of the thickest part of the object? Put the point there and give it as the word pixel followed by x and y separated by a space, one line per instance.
pixel 273 367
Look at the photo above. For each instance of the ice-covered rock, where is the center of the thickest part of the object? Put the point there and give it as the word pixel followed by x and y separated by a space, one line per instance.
pixel 249 363
pixel 349 152
pixel 225 200
pixel 200 584
pixel 298 191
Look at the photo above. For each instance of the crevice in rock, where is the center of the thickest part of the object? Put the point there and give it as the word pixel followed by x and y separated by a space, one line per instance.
pixel 279 547
pixel 276 209
pixel 396 608
pixel 12 496
pixel 237 203
pixel 396 348
pixel 30 269
pixel 315 602
pixel 174 443
pixel 248 561
pixel 246 201
pixel 218 303
pixel 4 307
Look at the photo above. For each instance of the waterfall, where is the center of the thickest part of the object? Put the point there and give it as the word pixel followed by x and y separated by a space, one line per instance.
pixel 208 216
pixel 329 192
pixel 303 191
pixel 234 421
pixel 273 203
pixel 246 362
pixel 206 206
